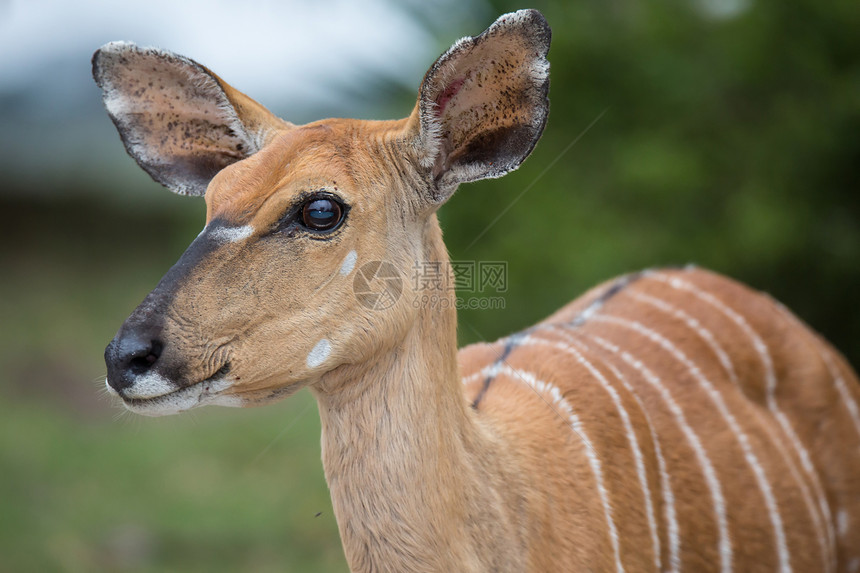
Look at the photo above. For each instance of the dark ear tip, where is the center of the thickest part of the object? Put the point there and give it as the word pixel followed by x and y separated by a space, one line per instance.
pixel 540 23
pixel 95 66
pixel 535 17
pixel 98 67
pixel 531 20
pixel 103 55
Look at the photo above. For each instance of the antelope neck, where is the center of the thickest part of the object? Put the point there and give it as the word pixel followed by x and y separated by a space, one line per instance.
pixel 413 474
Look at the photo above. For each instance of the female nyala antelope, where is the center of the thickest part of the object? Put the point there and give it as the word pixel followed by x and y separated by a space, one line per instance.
pixel 666 420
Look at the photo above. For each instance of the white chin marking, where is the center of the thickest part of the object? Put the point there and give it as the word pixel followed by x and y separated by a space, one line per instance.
pixel 150 385
pixel 319 353
pixel 205 393
pixel 348 263
pixel 232 234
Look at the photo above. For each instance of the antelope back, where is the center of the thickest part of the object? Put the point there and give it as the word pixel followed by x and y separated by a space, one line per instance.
pixel 698 424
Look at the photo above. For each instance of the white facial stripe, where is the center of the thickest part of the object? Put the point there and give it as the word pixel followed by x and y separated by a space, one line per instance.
pixel 232 234
pixel 319 353
pixel 348 263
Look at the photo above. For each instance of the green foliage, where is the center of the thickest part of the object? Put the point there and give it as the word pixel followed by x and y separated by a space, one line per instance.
pixel 729 141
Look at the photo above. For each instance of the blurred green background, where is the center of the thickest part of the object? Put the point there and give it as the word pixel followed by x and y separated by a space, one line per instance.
pixel 724 133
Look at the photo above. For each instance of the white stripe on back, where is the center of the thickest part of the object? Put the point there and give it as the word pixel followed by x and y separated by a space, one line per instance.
pixel 694 324
pixel 827 356
pixel 724 543
pixel 628 428
pixel 665 483
pixel 541 387
pixel 844 393
pixel 770 382
pixel 717 398
pixel 775 440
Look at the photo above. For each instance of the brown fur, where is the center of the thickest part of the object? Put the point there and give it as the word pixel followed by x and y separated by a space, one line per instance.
pixel 559 433
pixel 805 392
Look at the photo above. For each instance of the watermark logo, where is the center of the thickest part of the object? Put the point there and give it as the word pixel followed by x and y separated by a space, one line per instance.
pixel 377 285
pixel 464 276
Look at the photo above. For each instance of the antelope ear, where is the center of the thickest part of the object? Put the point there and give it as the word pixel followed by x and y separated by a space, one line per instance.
pixel 483 105
pixel 178 120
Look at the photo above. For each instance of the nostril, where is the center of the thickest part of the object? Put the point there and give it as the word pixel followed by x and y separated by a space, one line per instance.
pixel 144 357
pixel 141 365
pixel 133 353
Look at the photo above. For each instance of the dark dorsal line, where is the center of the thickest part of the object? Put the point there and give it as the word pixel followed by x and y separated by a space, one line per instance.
pixel 616 287
pixel 512 342
pixel 517 339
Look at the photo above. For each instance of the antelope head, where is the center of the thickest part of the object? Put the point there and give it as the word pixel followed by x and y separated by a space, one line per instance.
pixel 264 301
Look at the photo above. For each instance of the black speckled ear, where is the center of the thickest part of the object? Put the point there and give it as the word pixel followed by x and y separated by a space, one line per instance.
pixel 483 105
pixel 178 120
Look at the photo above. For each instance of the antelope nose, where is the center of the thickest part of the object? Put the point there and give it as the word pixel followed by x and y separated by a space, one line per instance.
pixel 129 355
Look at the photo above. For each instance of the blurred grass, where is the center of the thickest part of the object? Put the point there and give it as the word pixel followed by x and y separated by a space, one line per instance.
pixel 203 492
pixel 85 487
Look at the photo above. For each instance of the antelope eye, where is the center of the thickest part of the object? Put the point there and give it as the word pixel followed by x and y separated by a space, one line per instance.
pixel 322 214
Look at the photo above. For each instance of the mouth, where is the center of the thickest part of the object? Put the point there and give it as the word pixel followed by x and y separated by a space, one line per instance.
pixel 206 392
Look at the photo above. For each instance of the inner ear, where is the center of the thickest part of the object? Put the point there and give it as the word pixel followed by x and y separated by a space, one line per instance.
pixel 483 104
pixel 177 119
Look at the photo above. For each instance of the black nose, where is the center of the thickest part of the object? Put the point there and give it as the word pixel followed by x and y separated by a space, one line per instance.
pixel 129 355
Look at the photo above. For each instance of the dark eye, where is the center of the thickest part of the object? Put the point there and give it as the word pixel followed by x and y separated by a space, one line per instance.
pixel 322 214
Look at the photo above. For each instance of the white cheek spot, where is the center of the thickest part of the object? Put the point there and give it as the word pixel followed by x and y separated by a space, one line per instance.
pixel 319 353
pixel 348 263
pixel 232 234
